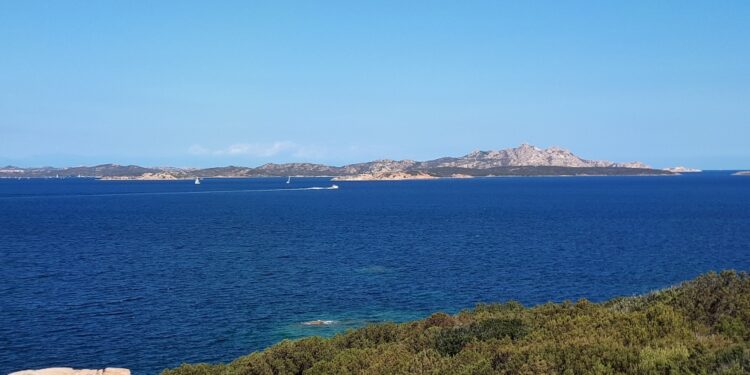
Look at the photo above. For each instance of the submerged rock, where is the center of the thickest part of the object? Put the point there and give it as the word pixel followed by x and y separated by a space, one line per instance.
pixel 319 322
pixel 72 371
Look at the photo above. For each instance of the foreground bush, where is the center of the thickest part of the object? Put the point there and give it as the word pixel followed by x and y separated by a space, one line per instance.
pixel 699 327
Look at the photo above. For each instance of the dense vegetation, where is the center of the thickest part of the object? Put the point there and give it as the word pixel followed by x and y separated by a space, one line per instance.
pixel 699 327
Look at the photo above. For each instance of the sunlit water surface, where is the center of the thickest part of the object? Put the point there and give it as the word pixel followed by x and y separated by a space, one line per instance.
pixel 148 275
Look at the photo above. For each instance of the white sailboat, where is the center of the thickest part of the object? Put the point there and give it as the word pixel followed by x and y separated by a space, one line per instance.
pixel 197 181
pixel 289 180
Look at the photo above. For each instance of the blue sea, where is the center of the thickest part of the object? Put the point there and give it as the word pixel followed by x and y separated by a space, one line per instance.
pixel 152 274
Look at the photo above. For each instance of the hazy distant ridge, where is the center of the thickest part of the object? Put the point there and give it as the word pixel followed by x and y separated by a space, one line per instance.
pixel 522 160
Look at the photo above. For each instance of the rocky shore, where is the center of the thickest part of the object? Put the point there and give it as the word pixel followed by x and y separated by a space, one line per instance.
pixel 386 176
pixel 146 176
pixel 682 169
pixel 743 173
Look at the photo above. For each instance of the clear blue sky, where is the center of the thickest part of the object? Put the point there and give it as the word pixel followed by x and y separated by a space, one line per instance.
pixel 247 82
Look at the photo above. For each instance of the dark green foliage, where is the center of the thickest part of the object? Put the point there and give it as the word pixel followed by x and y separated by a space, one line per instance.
pixel 369 336
pixel 452 341
pixel 699 327
pixel 497 329
pixel 199 369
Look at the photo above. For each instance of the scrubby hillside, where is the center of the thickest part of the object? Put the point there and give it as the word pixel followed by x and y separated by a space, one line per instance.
pixel 699 327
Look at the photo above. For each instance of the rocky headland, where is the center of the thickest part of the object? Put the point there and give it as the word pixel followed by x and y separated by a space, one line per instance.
pixel 743 173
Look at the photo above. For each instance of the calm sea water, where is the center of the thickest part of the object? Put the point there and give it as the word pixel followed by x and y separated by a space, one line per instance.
pixel 148 275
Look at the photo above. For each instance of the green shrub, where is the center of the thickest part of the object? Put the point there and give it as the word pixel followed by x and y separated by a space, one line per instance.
pixel 698 327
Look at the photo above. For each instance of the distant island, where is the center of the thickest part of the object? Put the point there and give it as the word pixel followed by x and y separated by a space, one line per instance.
pixel 683 170
pixel 525 160
pixel 699 327
pixel 743 173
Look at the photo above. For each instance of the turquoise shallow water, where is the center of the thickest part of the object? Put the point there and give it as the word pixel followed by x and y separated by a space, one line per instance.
pixel 148 275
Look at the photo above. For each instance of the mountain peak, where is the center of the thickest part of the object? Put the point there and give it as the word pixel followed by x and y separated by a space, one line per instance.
pixel 528 155
pixel 527 146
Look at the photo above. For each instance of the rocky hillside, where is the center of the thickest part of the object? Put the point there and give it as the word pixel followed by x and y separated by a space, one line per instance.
pixel 477 163
pixel 528 156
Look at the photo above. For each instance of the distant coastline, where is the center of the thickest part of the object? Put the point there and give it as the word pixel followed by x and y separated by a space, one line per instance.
pixel 525 171
pixel 528 171
pixel 524 160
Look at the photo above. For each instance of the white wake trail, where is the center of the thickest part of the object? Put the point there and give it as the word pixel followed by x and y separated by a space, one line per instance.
pixel 333 187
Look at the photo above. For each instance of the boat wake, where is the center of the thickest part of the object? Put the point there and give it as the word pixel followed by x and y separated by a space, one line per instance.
pixel 332 187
